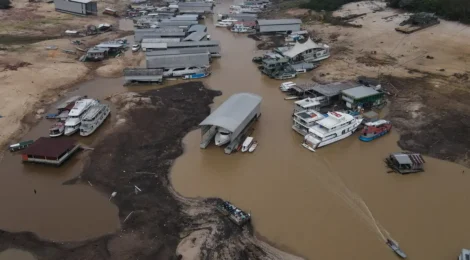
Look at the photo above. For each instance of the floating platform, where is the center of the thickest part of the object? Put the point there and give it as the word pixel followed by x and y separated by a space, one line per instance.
pixel 53 151
pixel 235 214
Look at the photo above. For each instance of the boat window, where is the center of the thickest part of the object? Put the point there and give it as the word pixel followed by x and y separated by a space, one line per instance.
pixel 179 69
pixel 224 133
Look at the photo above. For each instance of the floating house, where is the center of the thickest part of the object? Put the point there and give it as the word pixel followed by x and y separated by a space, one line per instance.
pixel 195 7
pixel 50 150
pixel 362 96
pixel 405 163
pixel 158 33
pixel 77 7
pixel 278 25
pixel 177 60
pixel 332 91
pixel 308 51
pixel 97 54
pixel 143 75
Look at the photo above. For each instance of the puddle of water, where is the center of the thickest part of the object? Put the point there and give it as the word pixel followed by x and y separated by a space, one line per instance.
pixel 16 254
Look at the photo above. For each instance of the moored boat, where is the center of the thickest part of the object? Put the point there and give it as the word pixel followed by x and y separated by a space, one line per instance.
pixel 247 143
pixel 72 124
pixel 20 145
pixel 374 130
pixel 57 129
pixel 197 75
pixel 222 136
pixel 93 119
pixel 253 147
pixel 394 246
pixel 335 127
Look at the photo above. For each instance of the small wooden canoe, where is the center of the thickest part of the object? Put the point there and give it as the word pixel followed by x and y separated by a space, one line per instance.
pixel 394 246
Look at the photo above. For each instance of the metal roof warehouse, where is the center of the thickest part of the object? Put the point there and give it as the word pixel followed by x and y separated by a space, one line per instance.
pixel 50 150
pixel 195 36
pixel 234 113
pixel 278 25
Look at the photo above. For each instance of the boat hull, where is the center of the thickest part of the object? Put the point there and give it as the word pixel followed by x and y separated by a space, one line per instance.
pixel 371 138
pixel 69 132
pixel 319 143
pixel 87 133
pixel 56 135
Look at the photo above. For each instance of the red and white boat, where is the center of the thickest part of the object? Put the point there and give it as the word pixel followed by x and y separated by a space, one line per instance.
pixel 374 130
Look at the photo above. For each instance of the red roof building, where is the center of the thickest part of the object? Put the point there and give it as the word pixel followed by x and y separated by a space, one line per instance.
pixel 50 150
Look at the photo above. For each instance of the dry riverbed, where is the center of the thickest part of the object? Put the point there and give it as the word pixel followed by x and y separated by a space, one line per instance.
pixel 156 223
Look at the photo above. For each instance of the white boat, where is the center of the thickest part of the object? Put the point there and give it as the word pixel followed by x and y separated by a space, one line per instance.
pixel 240 28
pixel 247 143
pixel 223 24
pixel 286 86
pixel 222 137
pixel 93 118
pixel 336 126
pixel 464 255
pixel 307 104
pixel 182 71
pixel 57 129
pixel 253 147
pixel 72 124
pixel 304 120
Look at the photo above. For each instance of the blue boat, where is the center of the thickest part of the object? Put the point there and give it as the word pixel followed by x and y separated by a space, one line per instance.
pixel 196 76
pixel 51 116
pixel 374 130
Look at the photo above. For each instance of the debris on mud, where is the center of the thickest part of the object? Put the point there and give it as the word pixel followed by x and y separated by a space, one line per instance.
pixel 374 60
pixel 15 66
pixel 431 120
pixel 163 225
pixel 268 42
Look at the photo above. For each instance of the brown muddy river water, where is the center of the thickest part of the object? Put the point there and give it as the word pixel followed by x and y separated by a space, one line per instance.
pixel 336 203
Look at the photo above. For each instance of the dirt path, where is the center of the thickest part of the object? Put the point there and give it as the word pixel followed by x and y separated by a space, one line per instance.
pixel 156 222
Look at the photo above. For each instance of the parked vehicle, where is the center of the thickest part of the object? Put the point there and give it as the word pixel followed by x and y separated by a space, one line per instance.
pixel 93 119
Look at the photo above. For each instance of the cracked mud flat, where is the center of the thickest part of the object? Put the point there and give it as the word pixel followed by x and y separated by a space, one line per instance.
pixel 163 225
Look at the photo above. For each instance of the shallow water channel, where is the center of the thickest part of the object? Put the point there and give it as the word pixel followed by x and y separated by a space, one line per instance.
pixel 338 202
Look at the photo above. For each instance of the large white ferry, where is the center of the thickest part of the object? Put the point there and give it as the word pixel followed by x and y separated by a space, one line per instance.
pixel 304 120
pixel 72 124
pixel 93 118
pixel 336 126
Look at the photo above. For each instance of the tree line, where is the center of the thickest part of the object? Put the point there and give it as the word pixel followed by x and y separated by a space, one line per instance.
pixel 457 10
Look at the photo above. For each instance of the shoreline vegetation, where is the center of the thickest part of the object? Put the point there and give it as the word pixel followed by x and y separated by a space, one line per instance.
pixel 455 10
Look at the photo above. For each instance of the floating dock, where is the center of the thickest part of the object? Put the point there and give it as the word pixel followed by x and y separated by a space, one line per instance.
pixel 50 150
pixel 235 214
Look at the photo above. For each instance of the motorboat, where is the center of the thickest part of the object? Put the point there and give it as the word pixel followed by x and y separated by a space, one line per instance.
pixel 222 136
pixel 197 75
pixel 253 147
pixel 334 127
pixel 304 120
pixel 223 24
pixel 247 143
pixel 57 129
pixel 394 246
pixel 286 86
pixel 310 103
pixel 72 124
pixel 374 130
pixel 183 71
pixel 93 119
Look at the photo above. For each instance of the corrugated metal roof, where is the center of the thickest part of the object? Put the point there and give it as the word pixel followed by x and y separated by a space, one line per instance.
pixel 50 147
pixel 233 111
pixel 197 28
pixel 335 88
pixel 177 51
pixel 161 40
pixel 177 23
pixel 263 22
pixel 195 36
pixel 178 60
pixel 154 45
pixel 189 44
pixel 360 92
pixel 142 72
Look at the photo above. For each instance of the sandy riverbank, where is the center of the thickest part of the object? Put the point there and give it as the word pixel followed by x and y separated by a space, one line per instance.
pixel 34 77
pixel 426 72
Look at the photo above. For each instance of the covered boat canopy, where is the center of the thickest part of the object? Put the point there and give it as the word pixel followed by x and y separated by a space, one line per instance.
pixel 233 112
pixel 408 159
pixel 302 47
